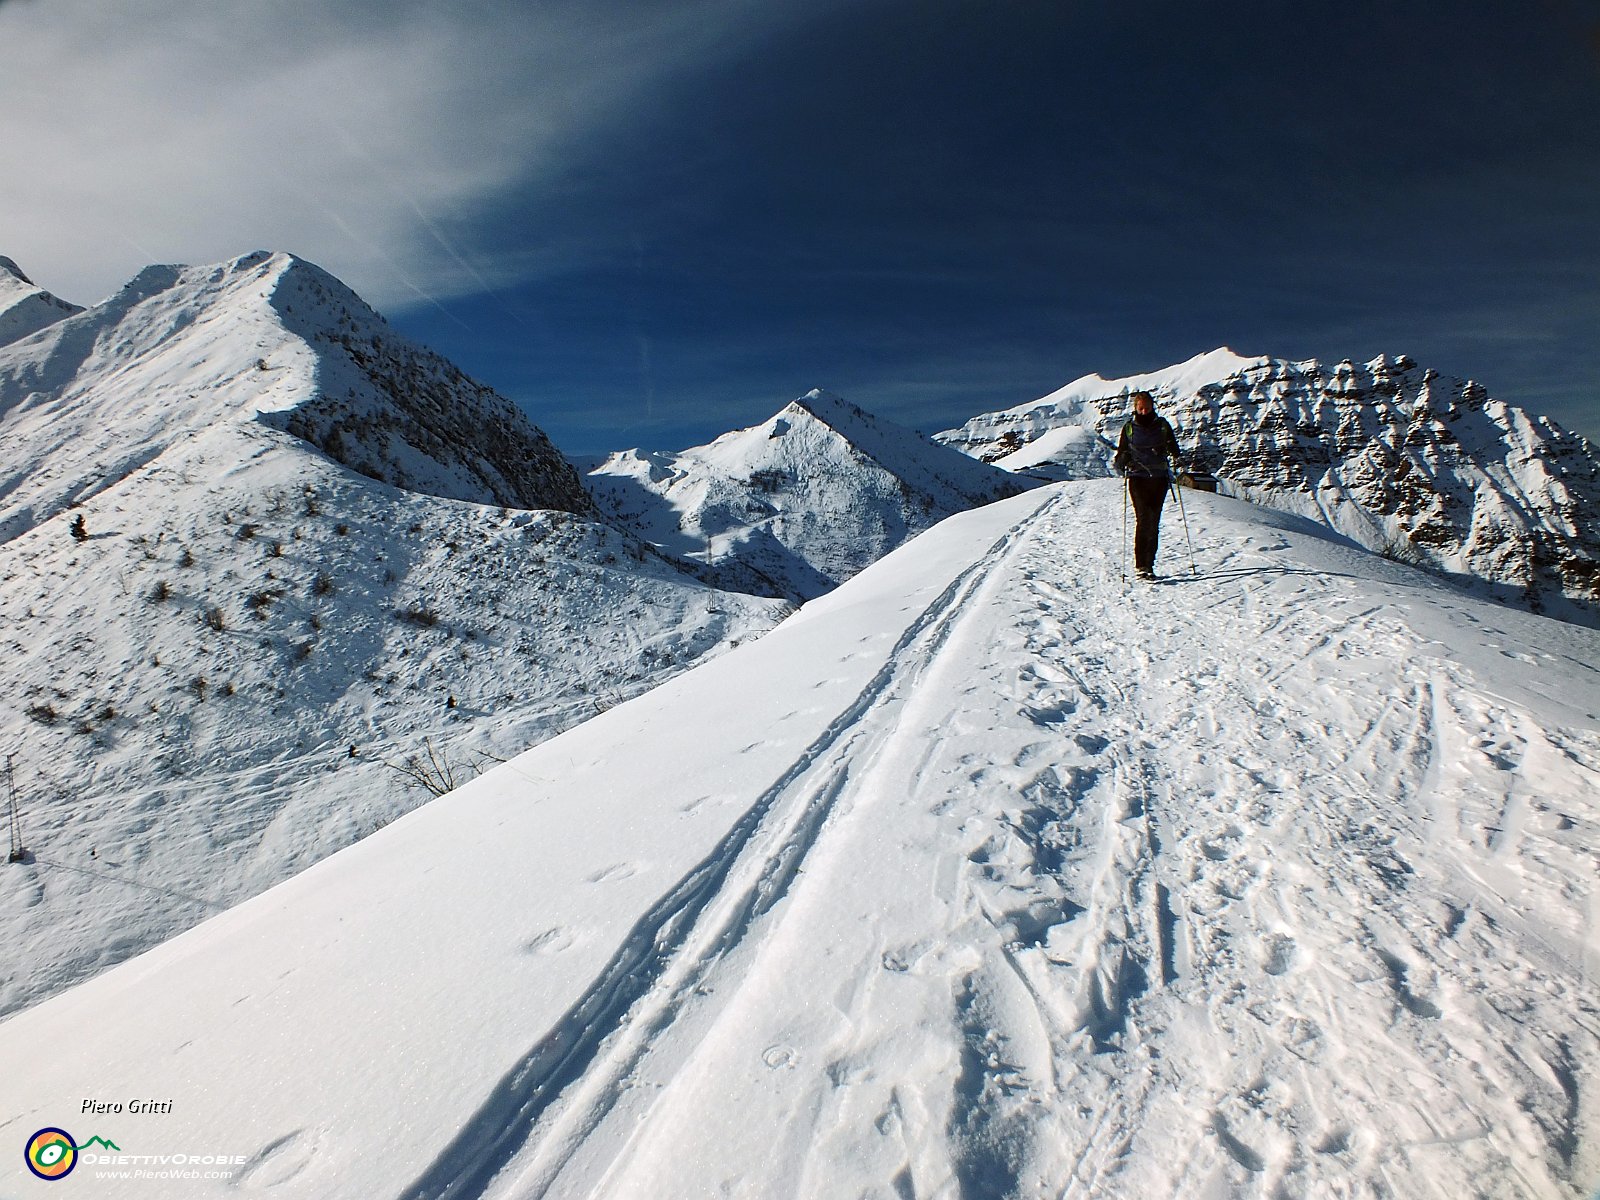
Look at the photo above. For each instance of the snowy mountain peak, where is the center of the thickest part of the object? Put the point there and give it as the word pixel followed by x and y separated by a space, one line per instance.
pixel 265 338
pixel 26 308
pixel 818 404
pixel 847 420
pixel 798 503
pixel 1213 364
pixel 823 396
pixel 9 267
pixel 1220 363
pixel 220 612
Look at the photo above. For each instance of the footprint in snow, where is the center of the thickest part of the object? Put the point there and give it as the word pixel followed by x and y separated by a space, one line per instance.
pixel 1337 1141
pixel 613 873
pixel 1051 712
pixel 551 941
pixel 1246 1156
pixel 279 1161
pixel 1224 845
pixel 1412 1001
pixel 906 958
pixel 1091 744
pixel 1282 953
pixel 779 1057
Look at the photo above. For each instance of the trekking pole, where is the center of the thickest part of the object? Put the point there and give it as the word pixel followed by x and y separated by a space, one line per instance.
pixel 1122 563
pixel 1177 490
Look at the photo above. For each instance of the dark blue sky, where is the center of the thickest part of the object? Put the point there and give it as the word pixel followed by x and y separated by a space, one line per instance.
pixel 650 221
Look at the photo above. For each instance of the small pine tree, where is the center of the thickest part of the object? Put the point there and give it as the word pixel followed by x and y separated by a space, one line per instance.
pixel 80 531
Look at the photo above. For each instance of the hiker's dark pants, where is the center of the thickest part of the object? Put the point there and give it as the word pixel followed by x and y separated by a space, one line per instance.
pixel 1147 494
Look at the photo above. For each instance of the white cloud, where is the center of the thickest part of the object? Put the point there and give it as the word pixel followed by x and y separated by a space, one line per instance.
pixel 356 135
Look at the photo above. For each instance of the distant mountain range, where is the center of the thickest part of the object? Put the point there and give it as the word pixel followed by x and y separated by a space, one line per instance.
pixel 1401 459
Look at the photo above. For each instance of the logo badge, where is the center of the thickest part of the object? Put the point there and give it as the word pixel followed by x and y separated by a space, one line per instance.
pixel 51 1154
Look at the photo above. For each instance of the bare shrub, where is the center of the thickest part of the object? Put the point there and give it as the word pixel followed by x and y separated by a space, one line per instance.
pixel 434 770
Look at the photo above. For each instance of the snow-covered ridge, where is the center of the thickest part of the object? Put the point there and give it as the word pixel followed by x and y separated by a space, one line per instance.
pixel 797 504
pixel 24 307
pixel 1398 457
pixel 400 413
pixel 95 396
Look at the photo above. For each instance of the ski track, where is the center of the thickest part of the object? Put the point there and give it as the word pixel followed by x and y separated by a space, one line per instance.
pixel 1169 942
pixel 667 955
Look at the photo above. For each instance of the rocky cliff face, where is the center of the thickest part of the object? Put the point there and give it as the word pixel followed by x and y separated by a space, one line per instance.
pixel 400 413
pixel 1405 460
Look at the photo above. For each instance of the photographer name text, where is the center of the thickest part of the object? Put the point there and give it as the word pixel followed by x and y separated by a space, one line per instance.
pixel 102 1108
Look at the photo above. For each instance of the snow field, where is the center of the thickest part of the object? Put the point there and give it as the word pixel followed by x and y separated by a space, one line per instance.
pixel 985 874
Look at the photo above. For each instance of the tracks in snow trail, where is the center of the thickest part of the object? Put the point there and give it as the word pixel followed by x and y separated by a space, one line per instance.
pixel 1235 842
pixel 1154 909
pixel 1356 864
pixel 537 1117
pixel 1076 886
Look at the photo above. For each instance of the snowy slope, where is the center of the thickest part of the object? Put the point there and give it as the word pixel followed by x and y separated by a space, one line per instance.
pixel 213 690
pixel 1392 455
pixel 26 308
pixel 797 504
pixel 979 876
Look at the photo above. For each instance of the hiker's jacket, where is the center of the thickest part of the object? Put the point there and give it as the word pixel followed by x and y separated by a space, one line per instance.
pixel 1145 447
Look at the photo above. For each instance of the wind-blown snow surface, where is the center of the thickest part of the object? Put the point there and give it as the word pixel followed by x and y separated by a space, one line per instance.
pixel 1404 460
pixel 794 506
pixel 982 875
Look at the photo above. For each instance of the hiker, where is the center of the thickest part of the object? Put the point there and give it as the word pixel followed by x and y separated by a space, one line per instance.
pixel 1143 452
